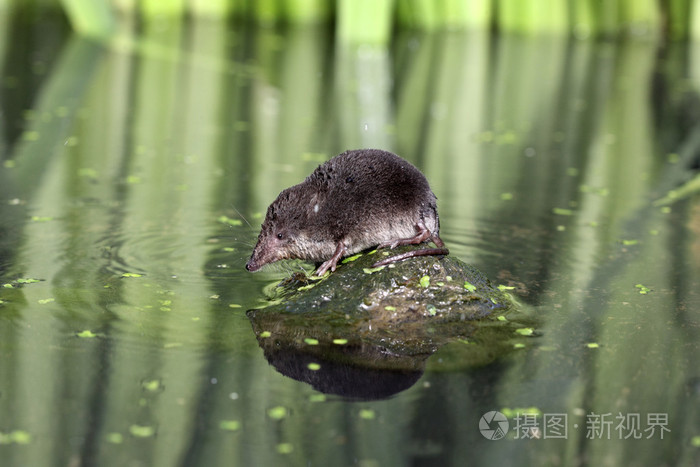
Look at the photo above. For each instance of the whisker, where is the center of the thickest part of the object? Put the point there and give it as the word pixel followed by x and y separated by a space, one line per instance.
pixel 242 216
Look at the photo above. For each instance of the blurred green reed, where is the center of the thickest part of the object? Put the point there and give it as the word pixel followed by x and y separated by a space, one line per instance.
pixel 373 21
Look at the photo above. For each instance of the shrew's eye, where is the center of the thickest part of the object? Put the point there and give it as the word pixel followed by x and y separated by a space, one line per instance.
pixel 280 236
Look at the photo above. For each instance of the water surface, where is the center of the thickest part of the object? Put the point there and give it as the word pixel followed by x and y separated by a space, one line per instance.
pixel 135 175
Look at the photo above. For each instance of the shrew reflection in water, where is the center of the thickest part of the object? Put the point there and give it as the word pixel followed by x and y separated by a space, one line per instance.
pixel 123 336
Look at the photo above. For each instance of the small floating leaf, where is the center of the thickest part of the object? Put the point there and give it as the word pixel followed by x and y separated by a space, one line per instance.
pixel 141 431
pixel 525 331
pixel 21 437
pixel 311 341
pixel 229 221
pixel 27 281
pixel 367 414
pixel 115 438
pixel 351 258
pixel 432 311
pixel 519 345
pixel 340 341
pixel 44 301
pixel 314 366
pixel 234 305
pixel 592 345
pixel 425 281
pixel 371 270
pixel 643 289
pixel 131 274
pixel 265 334
pixel 562 212
pixel 277 413
pixel 229 425
pixel 152 385
pixel 502 318
pixel 505 287
pixel 390 308
pixel 86 334
pixel 469 286
pixel 630 242
pixel 285 448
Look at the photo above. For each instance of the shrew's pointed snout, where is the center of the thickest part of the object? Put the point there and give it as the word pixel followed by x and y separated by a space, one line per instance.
pixel 251 266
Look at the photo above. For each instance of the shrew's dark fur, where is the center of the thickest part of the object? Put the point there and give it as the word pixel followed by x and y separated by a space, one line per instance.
pixel 358 199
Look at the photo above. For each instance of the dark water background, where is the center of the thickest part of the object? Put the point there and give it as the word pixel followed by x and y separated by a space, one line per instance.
pixel 129 173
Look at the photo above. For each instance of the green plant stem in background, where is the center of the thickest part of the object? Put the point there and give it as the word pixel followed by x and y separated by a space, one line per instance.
pixel 92 19
pixel 365 21
pixel 372 21
pixel 641 17
pixel 582 18
pixel 544 16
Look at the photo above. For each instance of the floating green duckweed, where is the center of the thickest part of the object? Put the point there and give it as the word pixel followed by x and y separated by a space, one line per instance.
pixel 643 289
pixel 131 274
pixel 516 411
pixel 230 425
pixel 285 448
pixel 563 212
pixel 371 270
pixel 519 345
pixel 630 242
pixel 44 301
pixel 151 385
pixel 142 431
pixel 390 308
pixel 27 281
pixel 425 281
pixel 86 334
pixel 277 413
pixel 115 438
pixel 525 331
pixel 432 311
pixel 311 341
pixel 351 258
pixel 229 221
pixel 340 341
pixel 367 414
pixel 234 305
pixel 505 287
pixel 16 436
pixel 502 318
pixel 314 366
pixel 41 218
pixel 265 334
pixel 469 286
pixel 593 345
